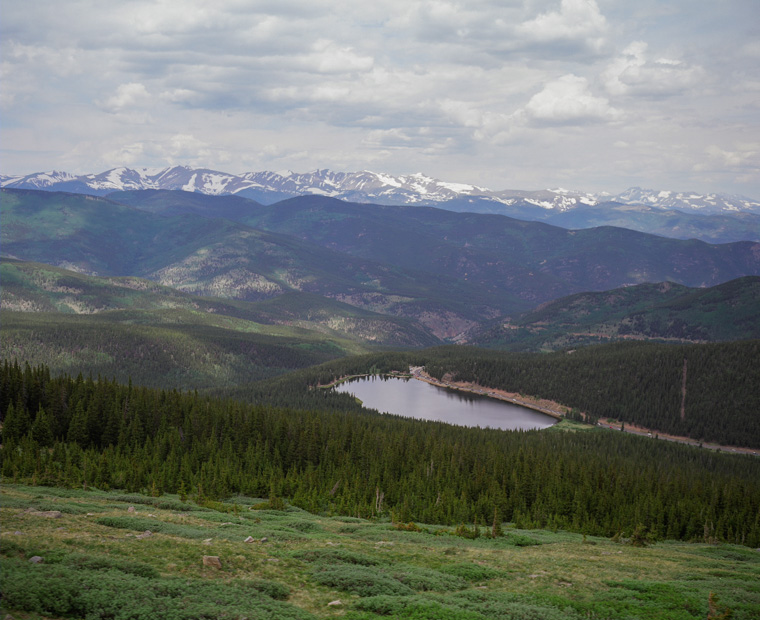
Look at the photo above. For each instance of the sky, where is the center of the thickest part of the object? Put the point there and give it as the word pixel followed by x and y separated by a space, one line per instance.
pixel 594 95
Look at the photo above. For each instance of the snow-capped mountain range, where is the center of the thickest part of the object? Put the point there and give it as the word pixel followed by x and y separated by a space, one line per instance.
pixel 364 187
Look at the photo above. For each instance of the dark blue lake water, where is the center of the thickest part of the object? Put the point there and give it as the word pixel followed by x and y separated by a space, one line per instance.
pixel 420 400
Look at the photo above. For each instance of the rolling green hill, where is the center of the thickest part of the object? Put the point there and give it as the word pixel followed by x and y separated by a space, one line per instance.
pixel 665 311
pixel 170 349
pixel 132 328
pixel 34 287
pixel 97 561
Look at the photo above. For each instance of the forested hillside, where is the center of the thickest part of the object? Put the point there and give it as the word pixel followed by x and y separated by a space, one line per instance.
pixel 169 350
pixel 446 271
pixel 664 311
pixel 706 392
pixel 131 328
pixel 80 432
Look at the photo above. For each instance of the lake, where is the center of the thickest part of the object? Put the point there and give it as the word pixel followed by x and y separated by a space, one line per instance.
pixel 416 399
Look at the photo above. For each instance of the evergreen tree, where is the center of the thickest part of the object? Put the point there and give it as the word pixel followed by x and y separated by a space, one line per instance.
pixel 16 423
pixel 496 530
pixel 77 432
pixel 42 428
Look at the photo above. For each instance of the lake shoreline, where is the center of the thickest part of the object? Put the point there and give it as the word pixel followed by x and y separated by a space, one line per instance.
pixel 408 401
pixel 544 406
pixel 547 407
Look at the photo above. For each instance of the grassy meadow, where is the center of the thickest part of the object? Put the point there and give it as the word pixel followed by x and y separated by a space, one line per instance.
pixel 99 561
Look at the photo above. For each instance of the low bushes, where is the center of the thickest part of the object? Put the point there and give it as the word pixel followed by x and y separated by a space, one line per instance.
pixel 361 580
pixel 470 572
pixel 97 589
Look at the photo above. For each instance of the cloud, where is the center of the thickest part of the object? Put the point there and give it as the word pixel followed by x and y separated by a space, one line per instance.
pixel 633 73
pixel 328 57
pixel 126 96
pixel 174 149
pixel 474 90
pixel 569 101
pixel 744 155
pixel 577 21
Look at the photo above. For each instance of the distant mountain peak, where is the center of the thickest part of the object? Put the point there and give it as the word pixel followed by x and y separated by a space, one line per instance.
pixel 364 186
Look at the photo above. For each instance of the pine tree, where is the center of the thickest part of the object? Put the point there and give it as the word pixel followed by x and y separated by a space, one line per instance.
pixel 42 428
pixel 496 530
pixel 16 423
pixel 78 426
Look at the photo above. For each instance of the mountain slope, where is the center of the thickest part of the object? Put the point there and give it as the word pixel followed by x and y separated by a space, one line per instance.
pixel 225 259
pixel 664 311
pixel 35 287
pixel 535 261
pixel 154 335
pixel 445 270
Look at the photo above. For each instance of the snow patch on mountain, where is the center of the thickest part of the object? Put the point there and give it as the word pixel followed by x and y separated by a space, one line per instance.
pixel 365 186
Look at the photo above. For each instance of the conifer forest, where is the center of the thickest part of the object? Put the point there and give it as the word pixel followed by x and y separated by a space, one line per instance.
pixel 326 455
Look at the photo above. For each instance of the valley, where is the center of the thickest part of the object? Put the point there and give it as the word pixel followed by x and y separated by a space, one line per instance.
pixel 425 310
pixel 167 349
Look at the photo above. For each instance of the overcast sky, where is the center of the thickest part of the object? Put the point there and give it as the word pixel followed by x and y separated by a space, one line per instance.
pixel 598 95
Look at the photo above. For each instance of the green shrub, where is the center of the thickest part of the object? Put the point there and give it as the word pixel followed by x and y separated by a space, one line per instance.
pixel 275 503
pixel 361 580
pixel 464 532
pixel 421 579
pixel 37 588
pixel 65 591
pixel 15 502
pixel 407 527
pixel 335 556
pixel 220 506
pixel 215 517
pixel 162 503
pixel 99 563
pixel 348 519
pixel 348 529
pixel 414 608
pixel 470 572
pixel 272 589
pixel 506 606
pixel 45 505
pixel 732 553
pixel 519 540
pixel 641 537
pixel 139 524
pixel 303 526
pixel 43 491
pixel 10 548
pixel 384 605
